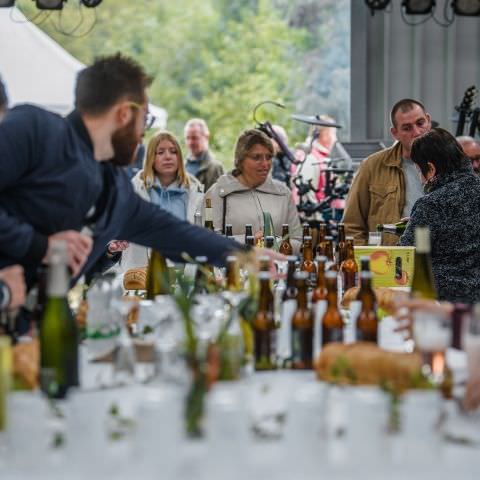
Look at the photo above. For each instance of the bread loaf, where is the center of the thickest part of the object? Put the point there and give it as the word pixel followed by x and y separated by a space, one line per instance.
pixel 135 279
pixel 364 363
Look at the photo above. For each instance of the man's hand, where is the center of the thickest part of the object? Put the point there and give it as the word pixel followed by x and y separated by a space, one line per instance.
pixel 117 246
pixel 79 247
pixel 14 279
pixel 405 311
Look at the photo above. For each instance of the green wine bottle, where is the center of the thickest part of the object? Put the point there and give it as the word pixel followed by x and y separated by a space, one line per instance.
pixel 58 330
pixel 423 284
pixel 393 228
pixel 157 282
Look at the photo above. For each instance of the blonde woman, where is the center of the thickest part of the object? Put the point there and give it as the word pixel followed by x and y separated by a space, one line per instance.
pixel 165 182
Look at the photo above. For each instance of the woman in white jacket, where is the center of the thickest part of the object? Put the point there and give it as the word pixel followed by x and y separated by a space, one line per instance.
pixel 165 182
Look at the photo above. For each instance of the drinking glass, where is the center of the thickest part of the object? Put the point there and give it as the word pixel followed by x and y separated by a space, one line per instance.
pixel 375 239
pixel 471 344
pixel 432 335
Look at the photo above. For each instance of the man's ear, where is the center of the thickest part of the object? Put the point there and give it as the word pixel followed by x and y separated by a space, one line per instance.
pixel 393 132
pixel 123 113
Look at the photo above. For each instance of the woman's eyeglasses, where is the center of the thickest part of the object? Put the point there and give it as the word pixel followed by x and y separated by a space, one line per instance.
pixel 258 157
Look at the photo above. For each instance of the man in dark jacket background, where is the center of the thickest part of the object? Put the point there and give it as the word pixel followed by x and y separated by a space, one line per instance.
pixel 59 177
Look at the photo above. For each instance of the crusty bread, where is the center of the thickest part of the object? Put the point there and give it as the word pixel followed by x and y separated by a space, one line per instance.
pixel 26 360
pixel 385 298
pixel 364 363
pixel 135 279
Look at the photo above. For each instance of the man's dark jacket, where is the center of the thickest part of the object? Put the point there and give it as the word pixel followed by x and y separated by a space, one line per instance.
pixel 49 182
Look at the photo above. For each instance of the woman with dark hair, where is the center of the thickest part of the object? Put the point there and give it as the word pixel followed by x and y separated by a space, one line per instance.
pixel 242 196
pixel 451 210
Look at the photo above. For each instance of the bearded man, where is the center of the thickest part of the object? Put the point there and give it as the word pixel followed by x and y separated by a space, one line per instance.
pixel 61 177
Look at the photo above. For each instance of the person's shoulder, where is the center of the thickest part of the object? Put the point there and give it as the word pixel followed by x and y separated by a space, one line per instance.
pixel 195 184
pixel 32 114
pixel 279 186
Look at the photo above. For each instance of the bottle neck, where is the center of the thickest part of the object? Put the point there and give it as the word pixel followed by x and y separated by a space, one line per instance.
pixel 57 280
pixel 332 297
pixel 302 295
pixel 307 252
pixel 285 232
pixel 265 296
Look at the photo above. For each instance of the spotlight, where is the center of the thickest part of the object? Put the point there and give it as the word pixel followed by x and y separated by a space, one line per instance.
pixel 467 8
pixel 91 3
pixel 376 5
pixel 418 7
pixel 50 4
pixel 6 3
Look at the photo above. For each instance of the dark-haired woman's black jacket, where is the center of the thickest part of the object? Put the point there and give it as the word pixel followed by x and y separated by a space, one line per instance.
pixel 451 209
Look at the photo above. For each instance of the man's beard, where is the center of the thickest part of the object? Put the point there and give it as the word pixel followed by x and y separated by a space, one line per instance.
pixel 125 144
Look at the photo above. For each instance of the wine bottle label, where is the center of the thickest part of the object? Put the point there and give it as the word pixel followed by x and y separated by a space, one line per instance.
pixel 284 337
pixel 208 214
pixel 302 346
pixel 320 309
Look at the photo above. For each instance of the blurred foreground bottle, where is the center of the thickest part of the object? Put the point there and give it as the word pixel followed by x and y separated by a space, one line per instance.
pixel 248 232
pixel 5 376
pixel 308 265
pixel 58 329
pixel 157 282
pixel 302 327
pixel 320 290
pixel 229 230
pixel 264 328
pixel 423 284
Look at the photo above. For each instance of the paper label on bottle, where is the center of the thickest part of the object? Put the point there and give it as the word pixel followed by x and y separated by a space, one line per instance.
pixel 208 214
pixel 285 341
pixel 319 310
pixel 350 328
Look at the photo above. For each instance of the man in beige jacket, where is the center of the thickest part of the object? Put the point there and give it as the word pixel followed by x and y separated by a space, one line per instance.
pixel 387 184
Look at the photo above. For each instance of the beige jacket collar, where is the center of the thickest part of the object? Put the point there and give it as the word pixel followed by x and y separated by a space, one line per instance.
pixel 228 184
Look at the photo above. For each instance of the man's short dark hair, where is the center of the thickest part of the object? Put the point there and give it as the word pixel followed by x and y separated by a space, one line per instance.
pixel 403 106
pixel 3 97
pixel 439 147
pixel 108 80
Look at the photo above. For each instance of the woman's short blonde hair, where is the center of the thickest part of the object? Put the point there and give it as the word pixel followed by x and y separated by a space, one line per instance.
pixel 148 174
pixel 245 142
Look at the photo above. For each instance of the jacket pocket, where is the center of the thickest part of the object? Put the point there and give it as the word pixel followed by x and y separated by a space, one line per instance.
pixel 383 201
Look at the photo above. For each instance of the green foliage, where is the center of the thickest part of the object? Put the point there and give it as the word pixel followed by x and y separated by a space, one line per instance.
pixel 217 59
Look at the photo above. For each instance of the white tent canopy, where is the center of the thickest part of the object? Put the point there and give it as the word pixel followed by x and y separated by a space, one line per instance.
pixel 36 69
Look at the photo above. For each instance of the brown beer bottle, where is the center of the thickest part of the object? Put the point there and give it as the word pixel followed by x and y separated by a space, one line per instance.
pixel 269 241
pixel 302 327
pixel 320 290
pixel 264 261
pixel 285 246
pixel 157 281
pixel 248 232
pixel 349 267
pixel 322 232
pixel 341 244
pixel 307 232
pixel 290 292
pixel 209 215
pixel 308 265
pixel 367 321
pixel 264 330
pixel 233 274
pixel 364 264
pixel 228 230
pixel 250 240
pixel 332 322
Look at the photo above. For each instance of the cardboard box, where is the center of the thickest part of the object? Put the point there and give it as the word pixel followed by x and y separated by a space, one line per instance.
pixel 391 266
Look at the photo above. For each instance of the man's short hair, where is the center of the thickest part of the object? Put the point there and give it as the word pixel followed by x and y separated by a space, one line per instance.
pixel 3 96
pixel 197 122
pixel 465 140
pixel 404 105
pixel 108 80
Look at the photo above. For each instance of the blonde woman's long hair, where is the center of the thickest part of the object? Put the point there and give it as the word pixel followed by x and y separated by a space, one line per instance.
pixel 148 173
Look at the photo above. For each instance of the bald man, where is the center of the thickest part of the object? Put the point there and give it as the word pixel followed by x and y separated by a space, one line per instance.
pixel 471 147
